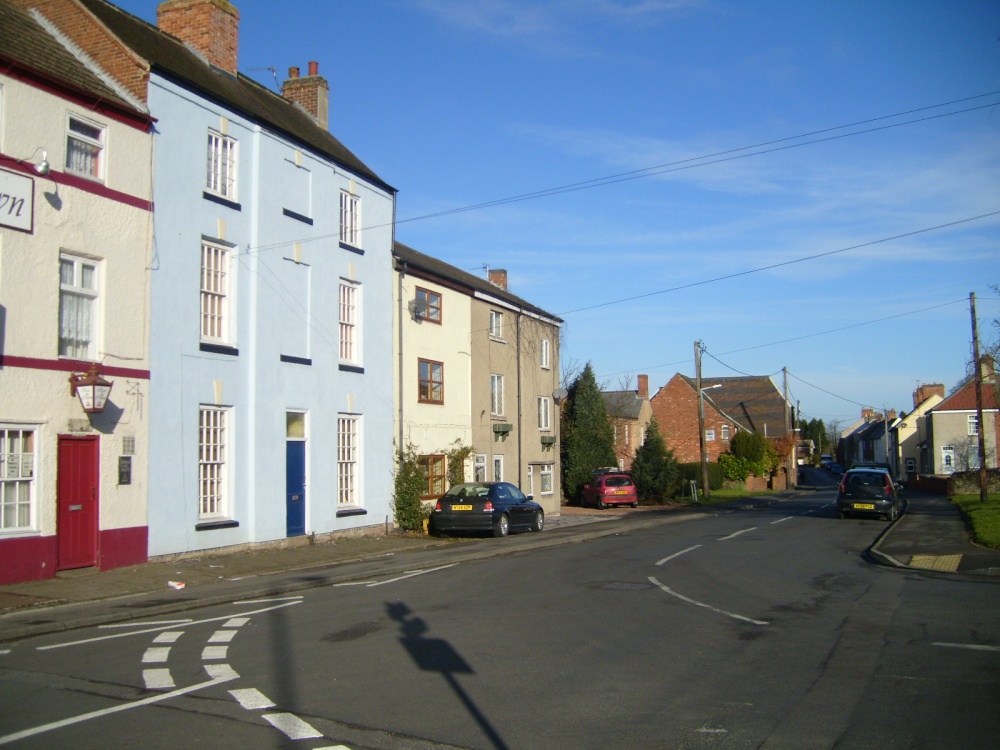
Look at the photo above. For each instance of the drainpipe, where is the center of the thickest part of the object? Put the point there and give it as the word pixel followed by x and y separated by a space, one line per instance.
pixel 399 334
pixel 520 434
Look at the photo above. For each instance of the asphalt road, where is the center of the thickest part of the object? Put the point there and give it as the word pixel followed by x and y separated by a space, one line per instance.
pixel 747 629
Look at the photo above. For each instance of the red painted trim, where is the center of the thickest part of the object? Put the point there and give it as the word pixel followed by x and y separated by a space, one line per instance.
pixel 122 547
pixel 27 558
pixel 112 110
pixel 75 181
pixel 70 365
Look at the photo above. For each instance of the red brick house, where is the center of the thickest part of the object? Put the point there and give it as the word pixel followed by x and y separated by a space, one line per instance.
pixel 751 403
pixel 630 413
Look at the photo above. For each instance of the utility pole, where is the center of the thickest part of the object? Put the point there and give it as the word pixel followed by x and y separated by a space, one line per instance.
pixel 790 468
pixel 980 427
pixel 701 420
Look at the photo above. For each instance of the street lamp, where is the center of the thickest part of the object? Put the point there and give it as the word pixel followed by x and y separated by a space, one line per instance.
pixel 701 437
pixel 91 389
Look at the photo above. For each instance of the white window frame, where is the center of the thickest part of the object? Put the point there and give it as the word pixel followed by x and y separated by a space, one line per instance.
pixel 531 480
pixel 216 293
pixel 725 432
pixel 86 303
pixel 349 460
pixel 497 468
pixel 350 218
pixel 544 413
pixel 17 479
pixel 496 324
pixel 709 436
pixel 214 429
pixel 479 468
pixel 496 395
pixel 221 165
pixel 85 151
pixel 545 354
pixel 547 472
pixel 349 315
pixel 973 424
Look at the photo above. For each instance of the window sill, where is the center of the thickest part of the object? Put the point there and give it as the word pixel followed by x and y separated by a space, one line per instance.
pixel 497 339
pixel 212 525
pixel 219 349
pixel 351 510
pixel 352 368
pixel 297 216
pixel 221 201
pixel 19 533
pixel 352 248
pixel 296 360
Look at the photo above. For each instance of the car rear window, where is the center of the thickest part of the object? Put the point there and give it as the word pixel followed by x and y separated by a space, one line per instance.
pixel 867 478
pixel 617 482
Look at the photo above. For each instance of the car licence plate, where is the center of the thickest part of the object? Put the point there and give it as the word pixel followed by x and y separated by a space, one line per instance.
pixel 863 506
pixel 461 507
pixel 621 492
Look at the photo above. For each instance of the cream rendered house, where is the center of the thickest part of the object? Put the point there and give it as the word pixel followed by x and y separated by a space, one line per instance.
pixel 905 435
pixel 75 174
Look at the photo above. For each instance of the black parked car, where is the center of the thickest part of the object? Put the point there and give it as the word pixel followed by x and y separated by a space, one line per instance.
pixel 868 491
pixel 497 507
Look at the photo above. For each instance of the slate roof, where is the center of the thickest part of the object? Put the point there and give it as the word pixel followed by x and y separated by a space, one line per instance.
pixel 622 404
pixel 25 42
pixel 414 259
pixel 751 401
pixel 172 58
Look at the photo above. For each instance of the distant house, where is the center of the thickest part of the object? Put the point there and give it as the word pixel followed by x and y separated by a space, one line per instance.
pixel 952 428
pixel 630 413
pixel 906 435
pixel 750 403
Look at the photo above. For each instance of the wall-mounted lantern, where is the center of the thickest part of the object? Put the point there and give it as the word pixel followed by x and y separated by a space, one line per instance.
pixel 91 389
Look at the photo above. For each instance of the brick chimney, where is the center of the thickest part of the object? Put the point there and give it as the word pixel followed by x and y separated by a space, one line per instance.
pixel 644 387
pixel 925 391
pixel 868 414
pixel 498 277
pixel 211 27
pixel 312 93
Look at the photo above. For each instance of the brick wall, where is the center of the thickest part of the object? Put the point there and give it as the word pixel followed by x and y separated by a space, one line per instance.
pixel 312 93
pixel 675 409
pixel 210 26
pixel 89 35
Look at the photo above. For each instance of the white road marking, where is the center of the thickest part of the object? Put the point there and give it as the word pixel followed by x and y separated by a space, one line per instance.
pixel 222 672
pixel 706 606
pixel 153 630
pixel 268 601
pixel 6 739
pixel 782 520
pixel 214 653
pixel 143 624
pixel 334 747
pixel 157 679
pixel 411 575
pixel 969 646
pixel 236 622
pixel 4 651
pixel 293 727
pixel 736 534
pixel 354 583
pixel 678 554
pixel 252 698
pixel 169 636
pixel 156 655
pixel 222 636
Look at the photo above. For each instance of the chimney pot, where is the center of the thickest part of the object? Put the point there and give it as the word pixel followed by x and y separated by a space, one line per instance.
pixel 293 72
pixel 313 68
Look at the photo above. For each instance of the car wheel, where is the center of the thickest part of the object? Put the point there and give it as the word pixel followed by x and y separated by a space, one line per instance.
pixel 539 523
pixel 892 515
pixel 600 504
pixel 635 505
pixel 841 514
pixel 502 527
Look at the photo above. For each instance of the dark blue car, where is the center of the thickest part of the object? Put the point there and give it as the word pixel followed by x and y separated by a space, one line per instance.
pixel 496 507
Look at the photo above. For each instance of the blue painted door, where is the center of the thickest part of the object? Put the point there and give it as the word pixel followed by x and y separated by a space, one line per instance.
pixel 295 487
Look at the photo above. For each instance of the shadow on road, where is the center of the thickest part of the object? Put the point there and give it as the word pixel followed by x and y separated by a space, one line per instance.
pixel 437 655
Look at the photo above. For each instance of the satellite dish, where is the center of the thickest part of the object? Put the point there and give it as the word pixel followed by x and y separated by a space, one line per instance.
pixel 559 394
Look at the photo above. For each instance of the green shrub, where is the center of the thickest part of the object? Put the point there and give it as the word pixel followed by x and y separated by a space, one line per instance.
pixel 692 471
pixel 409 484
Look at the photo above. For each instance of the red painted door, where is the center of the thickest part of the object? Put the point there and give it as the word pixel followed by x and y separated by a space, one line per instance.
pixel 77 501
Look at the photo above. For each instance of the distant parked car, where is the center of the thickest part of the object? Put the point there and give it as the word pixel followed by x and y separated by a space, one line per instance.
pixel 610 489
pixel 835 468
pixel 497 507
pixel 868 492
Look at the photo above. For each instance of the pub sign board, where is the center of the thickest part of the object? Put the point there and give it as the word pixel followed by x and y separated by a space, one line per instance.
pixel 17 201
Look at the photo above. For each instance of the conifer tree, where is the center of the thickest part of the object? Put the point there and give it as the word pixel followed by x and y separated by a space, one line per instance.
pixel 654 469
pixel 588 440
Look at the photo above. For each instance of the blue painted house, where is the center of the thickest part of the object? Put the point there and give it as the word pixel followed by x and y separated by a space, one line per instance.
pixel 271 390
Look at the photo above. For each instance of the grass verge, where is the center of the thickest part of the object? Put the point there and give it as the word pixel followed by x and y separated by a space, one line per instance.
pixel 725 495
pixel 984 518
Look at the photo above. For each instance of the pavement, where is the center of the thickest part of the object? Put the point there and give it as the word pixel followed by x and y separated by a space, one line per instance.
pixel 930 536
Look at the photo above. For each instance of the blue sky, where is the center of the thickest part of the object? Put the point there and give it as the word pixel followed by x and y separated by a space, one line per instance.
pixel 458 103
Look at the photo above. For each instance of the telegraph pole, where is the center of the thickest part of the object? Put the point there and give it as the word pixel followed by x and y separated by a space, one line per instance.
pixel 701 420
pixel 980 427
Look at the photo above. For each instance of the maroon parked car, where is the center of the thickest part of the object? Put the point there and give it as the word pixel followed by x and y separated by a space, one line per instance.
pixel 606 490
